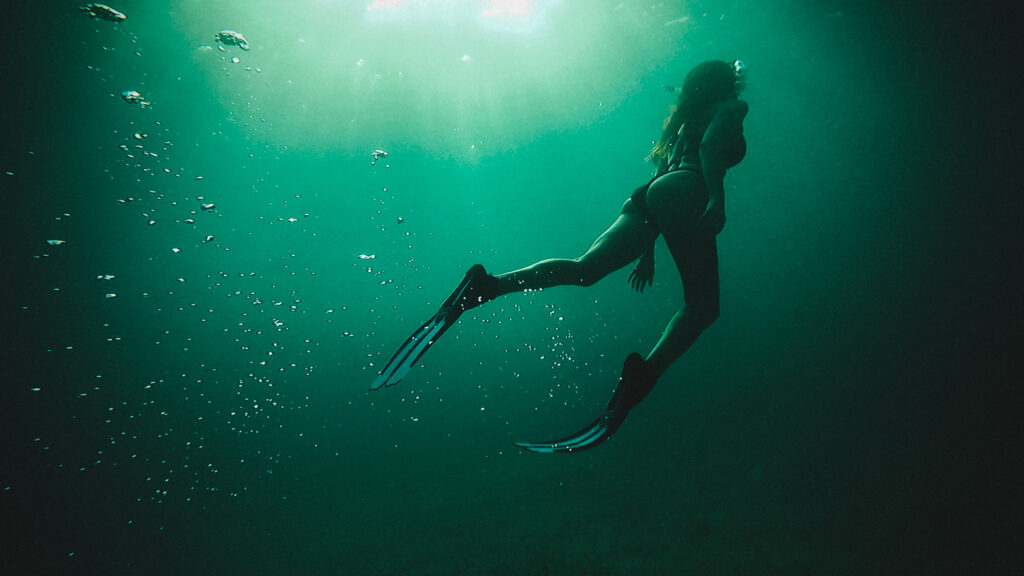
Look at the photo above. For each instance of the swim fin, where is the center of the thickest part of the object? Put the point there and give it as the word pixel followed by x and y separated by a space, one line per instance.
pixel 476 288
pixel 634 385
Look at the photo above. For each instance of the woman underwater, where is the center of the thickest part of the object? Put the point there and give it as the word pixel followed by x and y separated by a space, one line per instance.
pixel 684 203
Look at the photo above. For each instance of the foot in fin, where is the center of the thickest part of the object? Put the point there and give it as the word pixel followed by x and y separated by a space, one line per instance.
pixel 476 288
pixel 636 382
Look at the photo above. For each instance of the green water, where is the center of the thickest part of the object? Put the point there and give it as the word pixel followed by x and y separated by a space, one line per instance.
pixel 212 416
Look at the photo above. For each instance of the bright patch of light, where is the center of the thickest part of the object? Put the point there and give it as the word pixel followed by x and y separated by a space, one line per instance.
pixel 518 16
pixel 385 5
pixel 508 8
pixel 466 77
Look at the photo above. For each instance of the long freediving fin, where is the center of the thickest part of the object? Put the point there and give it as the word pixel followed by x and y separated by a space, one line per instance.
pixel 471 292
pixel 585 439
pixel 633 386
pixel 409 352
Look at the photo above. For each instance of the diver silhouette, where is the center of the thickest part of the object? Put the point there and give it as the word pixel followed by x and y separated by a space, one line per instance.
pixel 684 202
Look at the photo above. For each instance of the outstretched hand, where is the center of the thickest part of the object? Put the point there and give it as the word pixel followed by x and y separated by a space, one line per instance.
pixel 643 274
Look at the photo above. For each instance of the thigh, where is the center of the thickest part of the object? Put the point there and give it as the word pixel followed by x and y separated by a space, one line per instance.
pixel 696 256
pixel 624 241
pixel 677 201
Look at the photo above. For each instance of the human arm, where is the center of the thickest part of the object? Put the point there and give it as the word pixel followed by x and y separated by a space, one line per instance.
pixel 720 148
pixel 643 274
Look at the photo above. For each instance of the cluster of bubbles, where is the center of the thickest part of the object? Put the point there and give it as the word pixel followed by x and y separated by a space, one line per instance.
pixel 178 409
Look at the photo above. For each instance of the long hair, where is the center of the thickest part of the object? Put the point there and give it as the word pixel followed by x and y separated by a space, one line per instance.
pixel 705 85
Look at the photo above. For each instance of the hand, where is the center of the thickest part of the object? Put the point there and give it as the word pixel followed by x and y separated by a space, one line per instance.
pixel 712 221
pixel 643 274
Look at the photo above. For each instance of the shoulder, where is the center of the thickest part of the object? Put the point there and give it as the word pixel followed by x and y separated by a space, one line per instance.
pixel 727 119
pixel 731 110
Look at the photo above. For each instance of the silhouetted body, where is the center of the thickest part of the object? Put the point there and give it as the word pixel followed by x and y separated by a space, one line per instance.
pixel 684 203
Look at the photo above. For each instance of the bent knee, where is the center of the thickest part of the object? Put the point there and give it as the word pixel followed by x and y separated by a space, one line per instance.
pixel 584 273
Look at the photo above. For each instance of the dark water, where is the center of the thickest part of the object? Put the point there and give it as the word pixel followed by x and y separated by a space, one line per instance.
pixel 844 416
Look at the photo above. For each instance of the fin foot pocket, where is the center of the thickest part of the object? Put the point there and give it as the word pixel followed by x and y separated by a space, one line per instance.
pixel 634 384
pixel 476 288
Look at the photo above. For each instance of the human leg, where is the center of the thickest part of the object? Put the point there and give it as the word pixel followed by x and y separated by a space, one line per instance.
pixel 679 201
pixel 623 242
